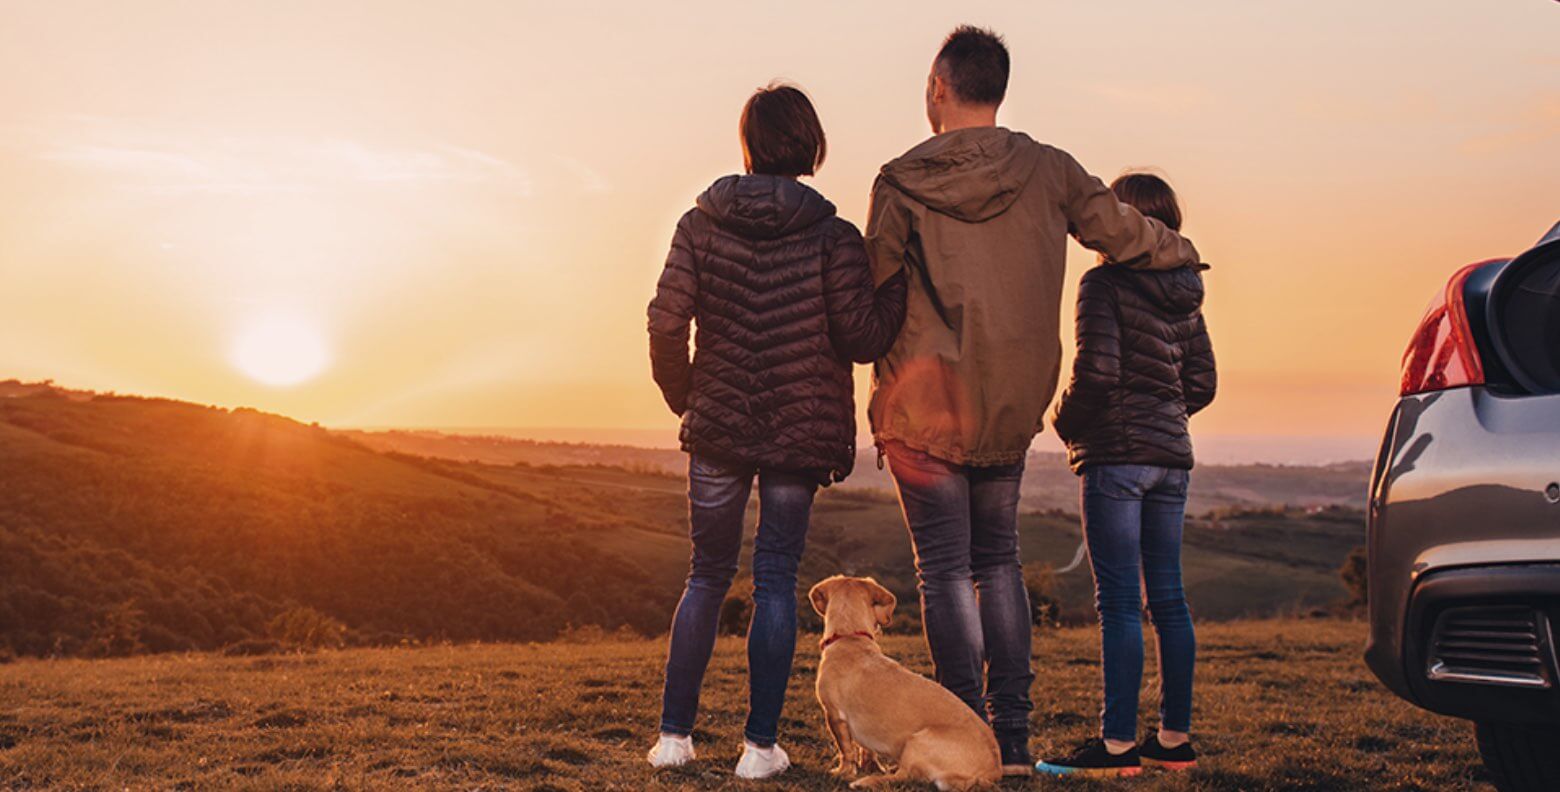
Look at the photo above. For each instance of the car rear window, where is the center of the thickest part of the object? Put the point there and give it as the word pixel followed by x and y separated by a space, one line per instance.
pixel 1527 319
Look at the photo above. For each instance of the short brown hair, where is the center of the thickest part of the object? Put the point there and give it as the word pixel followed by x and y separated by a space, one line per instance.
pixel 781 133
pixel 975 63
pixel 1150 195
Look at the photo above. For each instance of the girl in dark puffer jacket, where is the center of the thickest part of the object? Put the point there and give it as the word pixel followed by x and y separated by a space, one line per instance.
pixel 1144 365
pixel 783 298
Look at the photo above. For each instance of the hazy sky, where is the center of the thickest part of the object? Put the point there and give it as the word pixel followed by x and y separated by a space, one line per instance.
pixel 455 212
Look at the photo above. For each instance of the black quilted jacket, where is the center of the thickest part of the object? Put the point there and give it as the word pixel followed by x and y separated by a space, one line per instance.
pixel 1144 364
pixel 783 299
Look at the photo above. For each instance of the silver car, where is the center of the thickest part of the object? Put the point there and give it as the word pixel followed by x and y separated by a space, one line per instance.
pixel 1464 522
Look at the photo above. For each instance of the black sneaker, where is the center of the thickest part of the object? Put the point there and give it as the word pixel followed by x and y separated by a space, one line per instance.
pixel 1015 755
pixel 1093 760
pixel 1181 757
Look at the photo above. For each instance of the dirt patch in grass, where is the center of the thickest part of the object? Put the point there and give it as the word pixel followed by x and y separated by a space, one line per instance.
pixel 286 719
pixel 568 756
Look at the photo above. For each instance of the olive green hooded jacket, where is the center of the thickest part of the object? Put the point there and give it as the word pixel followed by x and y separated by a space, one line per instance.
pixel 979 218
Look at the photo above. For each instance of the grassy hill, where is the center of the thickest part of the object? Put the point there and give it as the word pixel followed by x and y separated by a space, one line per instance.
pixel 131 524
pixel 1282 705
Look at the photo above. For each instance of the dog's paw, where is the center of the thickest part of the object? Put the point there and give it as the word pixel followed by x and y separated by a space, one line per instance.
pixel 843 770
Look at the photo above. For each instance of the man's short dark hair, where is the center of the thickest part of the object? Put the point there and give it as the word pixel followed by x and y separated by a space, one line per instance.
pixel 974 61
pixel 781 134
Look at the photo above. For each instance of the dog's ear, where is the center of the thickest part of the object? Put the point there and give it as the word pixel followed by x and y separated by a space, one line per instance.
pixel 883 601
pixel 820 594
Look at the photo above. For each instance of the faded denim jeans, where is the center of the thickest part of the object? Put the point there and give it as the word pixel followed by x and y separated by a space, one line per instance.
pixel 717 496
pixel 1132 518
pixel 963 521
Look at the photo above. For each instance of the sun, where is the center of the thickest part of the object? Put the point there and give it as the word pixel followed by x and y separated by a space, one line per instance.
pixel 280 350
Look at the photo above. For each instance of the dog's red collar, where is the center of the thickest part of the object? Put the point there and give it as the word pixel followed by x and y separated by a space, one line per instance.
pixel 826 642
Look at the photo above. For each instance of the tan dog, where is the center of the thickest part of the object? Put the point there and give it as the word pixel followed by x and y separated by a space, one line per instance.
pixel 876 707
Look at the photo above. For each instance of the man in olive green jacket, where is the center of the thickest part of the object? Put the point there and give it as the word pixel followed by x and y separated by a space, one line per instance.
pixel 978 217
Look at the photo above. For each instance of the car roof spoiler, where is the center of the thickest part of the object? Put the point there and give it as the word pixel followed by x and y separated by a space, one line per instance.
pixel 1553 235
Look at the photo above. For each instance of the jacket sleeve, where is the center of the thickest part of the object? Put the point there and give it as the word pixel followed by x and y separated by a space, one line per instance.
pixel 671 312
pixel 1106 225
pixel 1199 377
pixel 863 321
pixel 1097 366
pixel 889 228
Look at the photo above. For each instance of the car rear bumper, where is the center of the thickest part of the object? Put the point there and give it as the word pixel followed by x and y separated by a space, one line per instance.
pixel 1478 644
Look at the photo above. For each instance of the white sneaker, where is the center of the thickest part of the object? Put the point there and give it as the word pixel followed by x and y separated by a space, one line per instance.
pixel 759 762
pixel 671 751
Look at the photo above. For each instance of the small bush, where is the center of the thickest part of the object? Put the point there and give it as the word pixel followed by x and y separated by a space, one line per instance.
pixel 1045 605
pixel 117 632
pixel 1356 579
pixel 306 628
pixel 736 610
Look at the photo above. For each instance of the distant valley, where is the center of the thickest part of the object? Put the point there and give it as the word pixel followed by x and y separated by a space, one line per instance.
pixel 1048 482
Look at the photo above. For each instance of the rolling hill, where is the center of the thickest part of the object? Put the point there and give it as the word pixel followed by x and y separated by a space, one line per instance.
pixel 131 524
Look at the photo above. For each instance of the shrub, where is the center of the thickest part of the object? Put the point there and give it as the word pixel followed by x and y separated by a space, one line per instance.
pixel 117 632
pixel 736 610
pixel 1045 605
pixel 1355 577
pixel 306 628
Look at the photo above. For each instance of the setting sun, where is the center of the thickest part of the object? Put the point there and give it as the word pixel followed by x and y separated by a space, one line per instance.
pixel 280 350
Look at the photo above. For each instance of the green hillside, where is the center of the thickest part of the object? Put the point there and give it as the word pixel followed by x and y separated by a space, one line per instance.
pixel 131 524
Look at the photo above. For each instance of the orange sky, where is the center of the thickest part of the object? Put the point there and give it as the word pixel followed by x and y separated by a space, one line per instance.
pixel 468 203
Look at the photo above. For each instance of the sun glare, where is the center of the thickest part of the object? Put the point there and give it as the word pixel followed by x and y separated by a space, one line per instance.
pixel 280 351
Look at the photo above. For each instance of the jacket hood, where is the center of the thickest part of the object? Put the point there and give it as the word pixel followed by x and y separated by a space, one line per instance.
pixel 1178 292
pixel 763 207
pixel 968 174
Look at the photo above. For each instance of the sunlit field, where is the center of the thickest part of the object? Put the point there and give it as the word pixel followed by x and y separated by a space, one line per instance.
pixel 1282 705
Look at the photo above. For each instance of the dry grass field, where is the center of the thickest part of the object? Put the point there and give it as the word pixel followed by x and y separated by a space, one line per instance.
pixel 1282 705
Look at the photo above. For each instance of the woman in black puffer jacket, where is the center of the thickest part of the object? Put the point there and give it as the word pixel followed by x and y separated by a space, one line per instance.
pixel 1144 364
pixel 781 292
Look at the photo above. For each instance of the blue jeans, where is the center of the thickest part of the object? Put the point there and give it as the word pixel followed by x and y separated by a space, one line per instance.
pixel 963 522
pixel 717 496
pixel 1132 516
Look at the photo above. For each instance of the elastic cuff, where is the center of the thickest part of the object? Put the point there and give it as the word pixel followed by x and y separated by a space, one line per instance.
pixel 677 731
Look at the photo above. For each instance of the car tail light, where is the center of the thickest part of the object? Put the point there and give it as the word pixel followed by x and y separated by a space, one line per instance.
pixel 1442 353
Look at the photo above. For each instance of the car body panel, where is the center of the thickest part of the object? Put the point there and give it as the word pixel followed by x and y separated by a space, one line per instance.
pixel 1463 481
